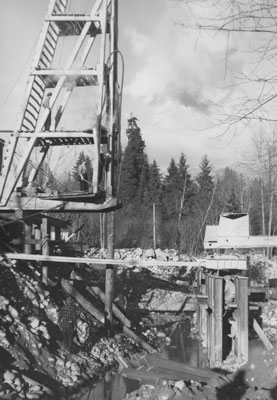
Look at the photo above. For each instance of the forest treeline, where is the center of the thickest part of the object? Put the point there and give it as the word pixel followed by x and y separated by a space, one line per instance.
pixel 178 204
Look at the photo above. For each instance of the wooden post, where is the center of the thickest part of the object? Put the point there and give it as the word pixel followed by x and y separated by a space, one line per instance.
pixel 210 317
pixel 45 247
pixel 218 319
pixel 203 323
pixel 242 316
pixel 38 239
pixel 27 237
pixel 57 233
pixel 109 287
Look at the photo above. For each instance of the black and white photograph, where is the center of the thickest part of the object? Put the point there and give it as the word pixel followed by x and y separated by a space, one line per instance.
pixel 138 200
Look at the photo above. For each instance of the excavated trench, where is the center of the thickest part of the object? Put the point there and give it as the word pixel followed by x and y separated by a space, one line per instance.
pixel 181 347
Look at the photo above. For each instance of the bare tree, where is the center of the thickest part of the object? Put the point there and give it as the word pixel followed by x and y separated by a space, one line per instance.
pixel 257 22
pixel 263 163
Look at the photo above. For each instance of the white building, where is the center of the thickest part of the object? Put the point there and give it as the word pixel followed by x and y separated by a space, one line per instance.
pixel 232 232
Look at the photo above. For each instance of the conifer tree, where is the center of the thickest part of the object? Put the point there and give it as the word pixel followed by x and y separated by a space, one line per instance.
pixel 171 195
pixel 186 188
pixel 204 200
pixel 205 183
pixel 132 164
pixel 82 157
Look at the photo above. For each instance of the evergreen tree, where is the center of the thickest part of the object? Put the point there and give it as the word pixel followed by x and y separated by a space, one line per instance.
pixel 133 180
pixel 132 164
pixel 205 185
pixel 171 192
pixel 233 202
pixel 186 188
pixel 151 201
pixel 229 187
pixel 204 178
pixel 204 201
pixel 154 184
pixel 82 157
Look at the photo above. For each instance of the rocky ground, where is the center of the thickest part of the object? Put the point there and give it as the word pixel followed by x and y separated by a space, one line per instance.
pixel 34 364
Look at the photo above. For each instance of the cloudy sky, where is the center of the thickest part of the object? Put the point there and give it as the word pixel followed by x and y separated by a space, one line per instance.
pixel 176 79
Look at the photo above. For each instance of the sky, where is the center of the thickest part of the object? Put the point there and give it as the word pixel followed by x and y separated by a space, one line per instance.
pixel 175 79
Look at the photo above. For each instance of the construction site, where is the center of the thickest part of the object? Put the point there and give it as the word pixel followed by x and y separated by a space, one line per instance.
pixel 149 323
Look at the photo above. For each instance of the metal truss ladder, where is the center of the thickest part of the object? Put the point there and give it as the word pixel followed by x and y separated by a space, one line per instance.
pixel 44 77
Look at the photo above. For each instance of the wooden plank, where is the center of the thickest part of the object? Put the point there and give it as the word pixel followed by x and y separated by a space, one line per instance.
pixel 72 17
pixel 211 321
pixel 203 375
pixel 84 303
pixel 39 204
pixel 55 134
pixel 109 282
pixel 27 237
pixel 96 291
pixel 98 261
pixel 45 248
pixel 242 310
pixel 218 319
pixel 262 335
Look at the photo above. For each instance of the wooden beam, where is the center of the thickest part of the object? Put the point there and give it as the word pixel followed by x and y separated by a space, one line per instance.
pixel 27 236
pixel 55 134
pixel 109 284
pixel 69 289
pixel 210 321
pixel 64 72
pixel 262 335
pixel 45 248
pixel 218 319
pixel 70 18
pixel 37 204
pixel 98 261
pixel 96 291
pixel 242 311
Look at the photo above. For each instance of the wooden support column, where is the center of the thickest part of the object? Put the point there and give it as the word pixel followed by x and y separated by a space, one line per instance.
pixel 38 239
pixel 57 233
pixel 45 248
pixel 109 287
pixel 218 319
pixel 27 237
pixel 203 323
pixel 242 317
pixel 210 317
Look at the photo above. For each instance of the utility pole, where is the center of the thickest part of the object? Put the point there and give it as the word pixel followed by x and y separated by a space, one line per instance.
pixel 154 226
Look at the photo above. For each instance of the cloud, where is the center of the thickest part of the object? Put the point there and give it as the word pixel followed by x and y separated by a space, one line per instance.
pixel 188 98
pixel 138 41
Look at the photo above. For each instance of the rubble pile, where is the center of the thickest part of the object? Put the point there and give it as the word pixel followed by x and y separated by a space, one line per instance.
pixel 31 349
pixel 34 364
pixel 269 318
pixel 180 275
pixel 267 266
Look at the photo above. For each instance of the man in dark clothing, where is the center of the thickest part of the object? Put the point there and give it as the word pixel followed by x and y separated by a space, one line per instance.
pixel 67 322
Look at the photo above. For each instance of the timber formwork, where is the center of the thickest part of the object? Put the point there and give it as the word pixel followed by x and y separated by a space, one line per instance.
pixel 223 328
pixel 90 59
